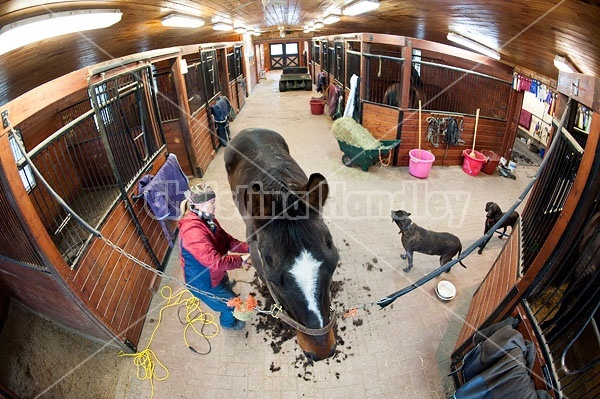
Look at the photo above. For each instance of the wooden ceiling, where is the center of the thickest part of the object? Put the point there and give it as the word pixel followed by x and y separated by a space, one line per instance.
pixel 528 34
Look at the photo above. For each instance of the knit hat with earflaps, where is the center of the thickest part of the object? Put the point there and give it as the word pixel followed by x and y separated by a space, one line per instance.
pixel 200 193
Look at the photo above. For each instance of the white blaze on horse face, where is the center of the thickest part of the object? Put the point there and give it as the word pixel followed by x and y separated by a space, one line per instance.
pixel 305 272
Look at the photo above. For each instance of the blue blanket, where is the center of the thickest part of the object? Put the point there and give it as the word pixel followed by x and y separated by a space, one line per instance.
pixel 164 192
pixel 221 109
pixel 222 112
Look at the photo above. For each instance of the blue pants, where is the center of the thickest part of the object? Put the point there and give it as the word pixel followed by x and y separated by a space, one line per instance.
pixel 223 291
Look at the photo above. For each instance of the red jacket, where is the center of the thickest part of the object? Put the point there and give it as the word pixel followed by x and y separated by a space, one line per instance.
pixel 201 248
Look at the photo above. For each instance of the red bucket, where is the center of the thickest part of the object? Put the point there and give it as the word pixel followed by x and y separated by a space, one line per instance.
pixel 317 107
pixel 492 162
pixel 472 165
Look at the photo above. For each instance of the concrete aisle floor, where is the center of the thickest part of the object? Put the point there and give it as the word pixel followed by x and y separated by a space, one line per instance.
pixel 401 351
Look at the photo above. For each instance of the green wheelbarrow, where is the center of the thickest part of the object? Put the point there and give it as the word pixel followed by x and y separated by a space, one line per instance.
pixel 356 156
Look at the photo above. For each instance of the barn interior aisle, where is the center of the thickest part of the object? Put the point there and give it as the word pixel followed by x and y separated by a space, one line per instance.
pixel 403 350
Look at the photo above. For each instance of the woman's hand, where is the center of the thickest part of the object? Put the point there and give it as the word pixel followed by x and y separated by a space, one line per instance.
pixel 246 261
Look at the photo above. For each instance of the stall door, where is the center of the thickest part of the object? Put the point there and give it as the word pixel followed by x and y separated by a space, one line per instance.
pixel 284 55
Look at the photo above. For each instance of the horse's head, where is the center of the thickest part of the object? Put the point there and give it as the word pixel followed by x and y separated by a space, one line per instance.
pixel 292 249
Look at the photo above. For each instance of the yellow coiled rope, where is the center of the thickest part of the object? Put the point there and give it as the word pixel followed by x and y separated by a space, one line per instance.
pixel 146 360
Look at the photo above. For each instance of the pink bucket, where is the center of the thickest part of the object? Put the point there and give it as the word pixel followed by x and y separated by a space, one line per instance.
pixel 420 163
pixel 472 166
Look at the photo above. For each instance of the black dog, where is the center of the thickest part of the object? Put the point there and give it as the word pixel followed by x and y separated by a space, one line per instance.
pixel 415 238
pixel 493 214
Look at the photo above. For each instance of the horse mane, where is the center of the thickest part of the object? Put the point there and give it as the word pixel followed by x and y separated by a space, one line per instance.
pixel 293 219
pixel 292 232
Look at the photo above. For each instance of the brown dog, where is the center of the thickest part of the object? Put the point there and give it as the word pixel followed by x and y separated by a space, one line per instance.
pixel 493 214
pixel 416 238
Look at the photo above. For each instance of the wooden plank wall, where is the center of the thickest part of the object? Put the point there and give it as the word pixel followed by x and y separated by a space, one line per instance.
pixel 46 295
pixel 241 96
pixel 499 281
pixel 176 144
pixel 202 142
pixel 383 123
pixel 117 289
pixel 253 74
pixel 36 285
pixel 315 73
pixel 34 130
pixel 107 294
pixel 232 95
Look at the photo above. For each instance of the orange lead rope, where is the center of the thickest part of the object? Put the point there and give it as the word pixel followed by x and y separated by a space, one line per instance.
pixel 351 313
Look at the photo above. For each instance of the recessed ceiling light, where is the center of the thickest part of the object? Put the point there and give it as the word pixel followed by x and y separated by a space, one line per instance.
pixel 30 30
pixel 331 19
pixel 222 26
pixel 182 21
pixel 563 64
pixel 360 7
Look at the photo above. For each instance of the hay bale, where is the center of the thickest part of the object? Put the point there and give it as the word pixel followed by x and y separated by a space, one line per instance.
pixel 351 132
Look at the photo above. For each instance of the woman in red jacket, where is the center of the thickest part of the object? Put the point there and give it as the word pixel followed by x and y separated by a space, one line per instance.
pixel 207 251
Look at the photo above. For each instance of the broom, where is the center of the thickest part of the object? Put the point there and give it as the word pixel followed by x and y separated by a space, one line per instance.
pixel 419 129
pixel 472 154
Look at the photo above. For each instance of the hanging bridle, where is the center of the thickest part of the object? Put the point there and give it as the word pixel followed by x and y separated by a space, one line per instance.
pixel 277 310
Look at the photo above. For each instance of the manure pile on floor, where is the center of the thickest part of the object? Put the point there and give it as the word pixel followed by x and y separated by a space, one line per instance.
pixel 278 332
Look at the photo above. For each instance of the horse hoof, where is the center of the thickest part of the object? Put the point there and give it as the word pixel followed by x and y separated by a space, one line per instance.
pixel 406 270
pixel 480 251
pixel 403 256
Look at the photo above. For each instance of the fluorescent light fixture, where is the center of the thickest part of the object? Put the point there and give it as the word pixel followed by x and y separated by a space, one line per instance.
pixel 222 26
pixel 30 30
pixel 182 21
pixel 319 24
pixel 239 29
pixel 563 64
pixel 360 7
pixel 250 31
pixel 331 19
pixel 256 33
pixel 473 45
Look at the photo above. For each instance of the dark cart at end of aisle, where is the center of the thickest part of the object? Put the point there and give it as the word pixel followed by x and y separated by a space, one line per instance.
pixel 295 78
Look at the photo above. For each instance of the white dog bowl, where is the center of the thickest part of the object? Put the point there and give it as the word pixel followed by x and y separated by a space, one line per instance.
pixel 445 290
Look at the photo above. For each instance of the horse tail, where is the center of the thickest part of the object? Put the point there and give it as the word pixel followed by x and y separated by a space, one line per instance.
pixel 462 264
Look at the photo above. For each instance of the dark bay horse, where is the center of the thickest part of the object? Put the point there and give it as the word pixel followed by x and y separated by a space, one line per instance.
pixel 290 245
pixel 417 92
